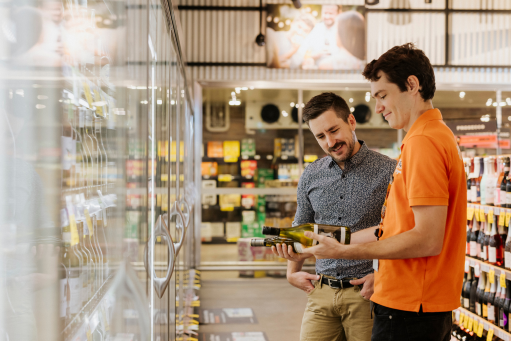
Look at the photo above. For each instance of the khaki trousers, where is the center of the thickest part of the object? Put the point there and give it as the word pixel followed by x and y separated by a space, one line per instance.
pixel 336 315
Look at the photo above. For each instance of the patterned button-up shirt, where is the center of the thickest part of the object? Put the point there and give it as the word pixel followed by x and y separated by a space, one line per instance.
pixel 351 197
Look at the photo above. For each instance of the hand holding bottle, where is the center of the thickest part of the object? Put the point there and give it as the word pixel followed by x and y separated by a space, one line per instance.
pixel 286 251
pixel 367 282
pixel 327 248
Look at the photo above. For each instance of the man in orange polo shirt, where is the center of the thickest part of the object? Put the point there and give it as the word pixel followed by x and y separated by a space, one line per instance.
pixel 419 257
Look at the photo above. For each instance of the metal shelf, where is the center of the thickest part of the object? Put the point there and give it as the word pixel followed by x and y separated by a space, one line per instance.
pixel 486 267
pixel 487 325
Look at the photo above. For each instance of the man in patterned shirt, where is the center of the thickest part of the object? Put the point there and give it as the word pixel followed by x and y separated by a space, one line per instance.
pixel 345 188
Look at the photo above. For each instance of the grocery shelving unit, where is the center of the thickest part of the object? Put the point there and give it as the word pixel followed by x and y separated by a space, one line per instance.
pixel 502 334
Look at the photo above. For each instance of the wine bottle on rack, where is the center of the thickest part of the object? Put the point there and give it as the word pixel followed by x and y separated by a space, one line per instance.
pixel 485 297
pixel 71 300
pixel 467 166
pixel 497 186
pixel 495 247
pixel 503 184
pixel 490 303
pixel 469 228
pixel 472 292
pixel 480 294
pixel 506 308
pixel 464 281
pixel 484 255
pixel 508 249
pixel 490 189
pixel 340 233
pixel 473 239
pixel 496 304
pixel 86 266
pixel 507 196
pixel 483 182
pixel 475 181
pixel 467 289
pixel 501 307
pixel 480 242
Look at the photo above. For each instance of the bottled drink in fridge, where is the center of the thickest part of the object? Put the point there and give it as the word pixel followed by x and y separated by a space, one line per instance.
pixel 340 233
pixel 495 247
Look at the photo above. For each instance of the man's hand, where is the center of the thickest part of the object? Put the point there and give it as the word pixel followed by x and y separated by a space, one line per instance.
pixel 327 248
pixel 367 282
pixel 286 251
pixel 302 280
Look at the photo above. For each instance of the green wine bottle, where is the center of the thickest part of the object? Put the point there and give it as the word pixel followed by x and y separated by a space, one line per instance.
pixel 296 233
pixel 269 242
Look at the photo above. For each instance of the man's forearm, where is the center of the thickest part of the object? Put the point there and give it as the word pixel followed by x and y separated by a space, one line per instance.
pixel 364 236
pixel 294 266
pixel 410 244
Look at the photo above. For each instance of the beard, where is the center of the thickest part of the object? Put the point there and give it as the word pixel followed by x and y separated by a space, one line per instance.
pixel 350 149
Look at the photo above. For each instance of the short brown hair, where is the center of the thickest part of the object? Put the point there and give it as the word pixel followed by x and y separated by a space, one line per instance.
pixel 324 102
pixel 399 63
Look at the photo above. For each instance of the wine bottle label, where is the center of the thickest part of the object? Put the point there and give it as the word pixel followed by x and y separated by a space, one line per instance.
pixel 503 197
pixel 473 195
pixel 492 254
pixel 483 254
pixel 63 296
pixel 478 307
pixel 484 310
pixel 507 198
pixel 489 193
pixel 507 259
pixel 490 312
pixel 299 248
pixel 66 237
pixel 466 303
pixel 472 249
pixel 75 297
pixel 497 199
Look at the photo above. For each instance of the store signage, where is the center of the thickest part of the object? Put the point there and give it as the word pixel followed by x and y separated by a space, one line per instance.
pixel 471 127
pixel 483 141
pixel 316 37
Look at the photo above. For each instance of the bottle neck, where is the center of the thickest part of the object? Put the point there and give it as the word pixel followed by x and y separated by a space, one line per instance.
pixel 493 229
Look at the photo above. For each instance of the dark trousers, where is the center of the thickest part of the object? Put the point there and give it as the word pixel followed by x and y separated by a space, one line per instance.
pixel 398 325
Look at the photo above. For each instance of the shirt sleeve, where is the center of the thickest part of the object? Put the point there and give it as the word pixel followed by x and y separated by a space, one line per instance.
pixel 305 213
pixel 425 169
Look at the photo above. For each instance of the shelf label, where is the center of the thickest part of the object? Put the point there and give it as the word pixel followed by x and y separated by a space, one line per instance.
pixel 482 215
pixel 225 177
pixel 471 212
pixel 501 221
pixel 477 269
pixel 470 325
pixel 491 275
pixel 503 283
pixel 466 322
pixel 490 334
pixel 480 329
pixel 490 217
pixel 462 318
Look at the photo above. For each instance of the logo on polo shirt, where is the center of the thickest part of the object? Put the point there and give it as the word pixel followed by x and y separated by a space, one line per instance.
pixel 398 169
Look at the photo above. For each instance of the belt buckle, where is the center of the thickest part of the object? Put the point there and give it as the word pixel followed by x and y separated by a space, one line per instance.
pixel 330 285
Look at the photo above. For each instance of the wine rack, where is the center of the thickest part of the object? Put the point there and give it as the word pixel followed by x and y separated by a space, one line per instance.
pixel 502 334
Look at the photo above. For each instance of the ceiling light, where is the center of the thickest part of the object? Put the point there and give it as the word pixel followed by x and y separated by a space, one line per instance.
pixel 485 118
pixel 237 90
pixel 508 100
pixel 351 100
pixel 251 87
pixel 159 101
pixel 292 104
pixel 297 105
pixel 502 104
pixel 495 104
pixel 462 94
pixel 352 109
pixel 245 88
pixel 40 106
pixel 489 102
pixel 235 102
pixel 285 114
pixel 46 97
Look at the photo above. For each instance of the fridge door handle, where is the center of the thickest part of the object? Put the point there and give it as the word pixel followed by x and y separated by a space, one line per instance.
pixel 180 225
pixel 160 231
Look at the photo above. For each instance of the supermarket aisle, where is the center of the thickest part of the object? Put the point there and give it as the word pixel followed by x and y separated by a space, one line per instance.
pixel 277 305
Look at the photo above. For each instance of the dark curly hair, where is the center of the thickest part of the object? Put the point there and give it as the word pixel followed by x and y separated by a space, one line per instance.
pixel 324 102
pixel 399 63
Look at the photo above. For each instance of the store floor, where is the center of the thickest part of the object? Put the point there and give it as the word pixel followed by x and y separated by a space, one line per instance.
pixel 277 305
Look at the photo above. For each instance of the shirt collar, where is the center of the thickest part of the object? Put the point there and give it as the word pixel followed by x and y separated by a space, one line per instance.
pixel 429 115
pixel 356 159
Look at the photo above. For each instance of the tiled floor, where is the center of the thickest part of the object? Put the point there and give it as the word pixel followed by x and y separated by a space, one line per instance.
pixel 277 305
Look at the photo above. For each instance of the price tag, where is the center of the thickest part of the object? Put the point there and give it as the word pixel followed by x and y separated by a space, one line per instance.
pixel 490 217
pixel 503 283
pixel 462 318
pixel 490 334
pixel 471 212
pixel 482 215
pixel 480 329
pixel 477 269
pixel 507 218
pixel 491 275
pixel 501 221
pixel 466 322
pixel 225 177
pixel 470 325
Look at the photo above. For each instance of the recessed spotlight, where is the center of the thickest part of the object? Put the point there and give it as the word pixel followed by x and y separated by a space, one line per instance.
pixel 351 100
pixel 352 109
pixel 292 104
pixel 462 94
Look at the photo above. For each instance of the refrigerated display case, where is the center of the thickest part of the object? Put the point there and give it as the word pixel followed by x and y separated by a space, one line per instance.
pixel 96 130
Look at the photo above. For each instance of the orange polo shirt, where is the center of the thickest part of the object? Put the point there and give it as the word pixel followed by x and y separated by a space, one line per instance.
pixel 430 172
